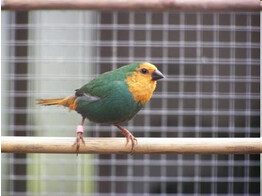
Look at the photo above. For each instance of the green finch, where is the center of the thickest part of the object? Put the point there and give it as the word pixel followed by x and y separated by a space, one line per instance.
pixel 113 97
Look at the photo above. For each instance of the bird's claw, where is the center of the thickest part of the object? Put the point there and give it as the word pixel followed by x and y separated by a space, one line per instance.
pixel 79 138
pixel 133 141
pixel 128 136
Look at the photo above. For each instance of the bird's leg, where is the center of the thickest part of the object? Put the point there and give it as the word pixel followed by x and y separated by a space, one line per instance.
pixel 79 137
pixel 128 136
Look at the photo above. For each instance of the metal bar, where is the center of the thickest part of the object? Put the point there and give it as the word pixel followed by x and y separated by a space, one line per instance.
pixel 95 145
pixel 154 5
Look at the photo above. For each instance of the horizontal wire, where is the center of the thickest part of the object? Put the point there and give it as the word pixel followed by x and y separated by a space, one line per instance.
pixel 124 162
pixel 125 60
pixel 168 78
pixel 132 178
pixel 184 112
pixel 137 129
pixel 131 27
pixel 61 193
pixel 169 44
pixel 178 95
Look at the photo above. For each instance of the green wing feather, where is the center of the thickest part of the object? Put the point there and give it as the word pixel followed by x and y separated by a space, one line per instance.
pixel 100 86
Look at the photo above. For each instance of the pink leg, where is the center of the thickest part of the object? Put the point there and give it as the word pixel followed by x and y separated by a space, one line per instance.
pixel 79 137
pixel 128 136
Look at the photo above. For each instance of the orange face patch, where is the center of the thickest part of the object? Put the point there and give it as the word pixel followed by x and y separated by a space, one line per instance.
pixel 140 83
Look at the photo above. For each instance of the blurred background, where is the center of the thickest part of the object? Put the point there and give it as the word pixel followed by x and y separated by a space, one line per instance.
pixel 211 63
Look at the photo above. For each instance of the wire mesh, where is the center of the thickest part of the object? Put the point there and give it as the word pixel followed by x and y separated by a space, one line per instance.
pixel 211 61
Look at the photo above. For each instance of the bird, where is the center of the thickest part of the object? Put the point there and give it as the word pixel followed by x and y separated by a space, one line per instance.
pixel 113 97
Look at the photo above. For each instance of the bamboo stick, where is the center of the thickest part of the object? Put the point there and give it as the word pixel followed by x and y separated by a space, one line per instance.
pixel 153 5
pixel 101 145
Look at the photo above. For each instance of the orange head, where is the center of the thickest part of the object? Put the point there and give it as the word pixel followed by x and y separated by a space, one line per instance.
pixel 142 82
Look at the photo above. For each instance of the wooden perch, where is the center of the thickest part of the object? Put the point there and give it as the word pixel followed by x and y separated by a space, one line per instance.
pixel 125 5
pixel 101 145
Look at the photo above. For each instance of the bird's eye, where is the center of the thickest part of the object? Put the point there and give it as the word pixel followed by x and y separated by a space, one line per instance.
pixel 144 71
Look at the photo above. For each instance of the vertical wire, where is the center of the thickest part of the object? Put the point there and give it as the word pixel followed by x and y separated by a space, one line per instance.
pixel 181 102
pixel 80 160
pixel 114 61
pixel 214 101
pixel 260 91
pixel 115 41
pixel 198 102
pixel 11 101
pixel 98 70
pixel 232 101
pixel 163 157
pixel 248 100
pixel 146 160
pixel 130 161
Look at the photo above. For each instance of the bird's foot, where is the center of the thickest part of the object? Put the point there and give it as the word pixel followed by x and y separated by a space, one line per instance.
pixel 129 137
pixel 79 137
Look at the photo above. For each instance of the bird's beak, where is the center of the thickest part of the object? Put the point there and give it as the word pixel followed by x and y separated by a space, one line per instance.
pixel 157 75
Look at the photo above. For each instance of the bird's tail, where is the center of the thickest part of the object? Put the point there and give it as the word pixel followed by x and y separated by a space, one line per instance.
pixel 69 102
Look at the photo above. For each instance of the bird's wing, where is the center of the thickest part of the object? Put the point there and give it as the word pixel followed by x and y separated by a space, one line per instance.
pixel 88 97
pixel 98 89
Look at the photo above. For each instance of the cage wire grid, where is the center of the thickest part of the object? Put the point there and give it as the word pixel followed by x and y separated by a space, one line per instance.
pixel 211 90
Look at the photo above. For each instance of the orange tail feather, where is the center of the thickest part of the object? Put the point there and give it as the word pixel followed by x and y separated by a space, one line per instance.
pixel 69 102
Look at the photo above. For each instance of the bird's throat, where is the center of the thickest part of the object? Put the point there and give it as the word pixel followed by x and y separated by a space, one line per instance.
pixel 140 87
